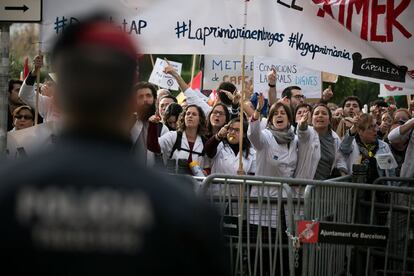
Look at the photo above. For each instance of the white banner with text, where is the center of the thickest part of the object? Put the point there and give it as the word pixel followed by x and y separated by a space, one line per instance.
pixel 370 40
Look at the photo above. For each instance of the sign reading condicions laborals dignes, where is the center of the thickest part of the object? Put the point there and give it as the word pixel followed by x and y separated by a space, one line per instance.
pixel 287 74
pixel 370 40
pixel 339 233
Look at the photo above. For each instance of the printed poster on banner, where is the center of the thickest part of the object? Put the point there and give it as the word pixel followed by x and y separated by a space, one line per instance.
pixel 389 90
pixel 368 40
pixel 288 74
pixel 159 78
pixel 226 68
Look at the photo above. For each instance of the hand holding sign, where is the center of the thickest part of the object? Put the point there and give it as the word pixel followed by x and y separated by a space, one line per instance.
pixel 168 69
pixel 164 74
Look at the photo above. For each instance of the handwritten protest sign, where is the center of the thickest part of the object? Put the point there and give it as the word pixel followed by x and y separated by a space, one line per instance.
pixel 288 74
pixel 226 68
pixel 158 77
pixel 369 40
pixel 389 90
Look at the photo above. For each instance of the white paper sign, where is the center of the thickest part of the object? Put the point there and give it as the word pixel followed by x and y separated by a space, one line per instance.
pixel 369 40
pixel 288 74
pixel 226 68
pixel 386 161
pixel 158 77
pixel 27 141
pixel 389 90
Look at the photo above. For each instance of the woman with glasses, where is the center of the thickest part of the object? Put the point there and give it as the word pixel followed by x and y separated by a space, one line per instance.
pixel 318 150
pixel 223 149
pixel 361 144
pixel 23 117
pixel 217 118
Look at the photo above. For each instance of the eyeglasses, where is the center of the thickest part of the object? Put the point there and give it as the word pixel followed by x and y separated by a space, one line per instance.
pixel 236 130
pixel 298 97
pixel 25 117
pixel 218 113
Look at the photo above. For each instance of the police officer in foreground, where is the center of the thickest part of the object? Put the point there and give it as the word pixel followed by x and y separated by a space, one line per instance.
pixel 85 207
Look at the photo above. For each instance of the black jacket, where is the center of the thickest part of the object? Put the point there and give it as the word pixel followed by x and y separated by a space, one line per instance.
pixel 86 207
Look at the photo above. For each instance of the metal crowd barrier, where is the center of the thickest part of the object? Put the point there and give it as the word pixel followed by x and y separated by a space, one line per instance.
pixel 256 212
pixel 266 240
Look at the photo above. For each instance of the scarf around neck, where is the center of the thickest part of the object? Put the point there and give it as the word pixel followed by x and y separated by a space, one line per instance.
pixel 282 136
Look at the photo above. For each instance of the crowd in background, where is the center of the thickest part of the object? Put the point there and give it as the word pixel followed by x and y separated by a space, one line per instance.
pixel 284 137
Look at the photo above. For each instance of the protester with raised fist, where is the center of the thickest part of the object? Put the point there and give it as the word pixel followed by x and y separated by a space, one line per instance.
pixel 223 149
pixel 318 147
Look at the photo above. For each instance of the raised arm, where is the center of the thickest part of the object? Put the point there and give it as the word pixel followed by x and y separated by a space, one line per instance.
pixel 271 80
pixel 171 71
pixel 254 133
pixel 401 133
pixel 212 143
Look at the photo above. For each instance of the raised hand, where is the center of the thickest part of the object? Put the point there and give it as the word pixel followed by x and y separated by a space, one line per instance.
pixel 228 94
pixel 223 132
pixel 327 93
pixel 154 119
pixel 169 69
pixel 260 102
pixel 37 63
pixel 303 122
pixel 271 77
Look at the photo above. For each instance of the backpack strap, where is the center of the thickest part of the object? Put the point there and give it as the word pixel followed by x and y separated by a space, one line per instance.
pixel 159 128
pixel 177 144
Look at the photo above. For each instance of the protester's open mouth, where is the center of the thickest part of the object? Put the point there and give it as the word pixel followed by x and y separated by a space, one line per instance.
pixel 216 121
pixel 280 121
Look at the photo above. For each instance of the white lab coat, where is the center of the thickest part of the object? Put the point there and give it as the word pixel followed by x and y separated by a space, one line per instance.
pixel 227 163
pixel 167 142
pixel 135 133
pixel 309 153
pixel 351 152
pixel 46 108
pixel 272 159
pixel 407 168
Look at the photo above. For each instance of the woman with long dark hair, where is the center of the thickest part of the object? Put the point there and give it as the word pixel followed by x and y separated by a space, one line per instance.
pixel 185 145
pixel 217 118
pixel 318 151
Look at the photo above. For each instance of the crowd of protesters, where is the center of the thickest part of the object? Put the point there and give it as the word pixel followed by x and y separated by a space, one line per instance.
pixel 284 137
